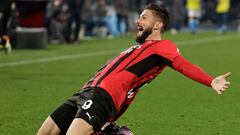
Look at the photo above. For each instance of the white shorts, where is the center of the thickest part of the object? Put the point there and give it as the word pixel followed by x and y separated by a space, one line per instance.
pixel 194 13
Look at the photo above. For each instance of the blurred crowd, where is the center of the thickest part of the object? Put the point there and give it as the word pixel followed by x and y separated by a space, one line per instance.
pixel 67 20
pixel 70 20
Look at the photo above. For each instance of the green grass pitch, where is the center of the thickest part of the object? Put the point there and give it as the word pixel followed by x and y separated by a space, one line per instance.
pixel 34 82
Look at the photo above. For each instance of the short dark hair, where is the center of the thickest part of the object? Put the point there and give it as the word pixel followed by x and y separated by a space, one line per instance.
pixel 161 13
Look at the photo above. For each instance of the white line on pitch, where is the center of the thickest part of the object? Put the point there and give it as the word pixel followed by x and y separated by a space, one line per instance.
pixel 83 55
pixel 57 58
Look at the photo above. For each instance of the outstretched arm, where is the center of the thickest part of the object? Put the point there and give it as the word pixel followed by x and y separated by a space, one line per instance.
pixel 192 71
pixel 219 84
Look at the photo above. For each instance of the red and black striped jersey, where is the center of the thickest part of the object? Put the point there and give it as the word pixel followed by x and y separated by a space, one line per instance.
pixel 122 76
pixel 131 69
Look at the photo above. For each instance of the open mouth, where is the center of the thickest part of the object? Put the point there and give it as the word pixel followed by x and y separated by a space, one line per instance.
pixel 140 28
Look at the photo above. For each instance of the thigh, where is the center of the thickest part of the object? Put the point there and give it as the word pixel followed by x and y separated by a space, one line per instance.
pixel 49 127
pixel 79 127
pixel 94 106
pixel 64 115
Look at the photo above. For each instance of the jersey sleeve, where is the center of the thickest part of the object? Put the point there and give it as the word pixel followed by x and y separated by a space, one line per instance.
pixel 174 59
pixel 192 71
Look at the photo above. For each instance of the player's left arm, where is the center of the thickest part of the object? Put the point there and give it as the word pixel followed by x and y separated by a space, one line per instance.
pixel 219 84
pixel 173 58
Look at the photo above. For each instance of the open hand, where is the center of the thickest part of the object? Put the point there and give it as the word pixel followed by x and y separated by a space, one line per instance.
pixel 220 84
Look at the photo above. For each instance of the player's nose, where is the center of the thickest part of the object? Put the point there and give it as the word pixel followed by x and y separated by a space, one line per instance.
pixel 137 21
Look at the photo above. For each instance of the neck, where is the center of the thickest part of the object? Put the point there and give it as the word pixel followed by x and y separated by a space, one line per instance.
pixel 155 36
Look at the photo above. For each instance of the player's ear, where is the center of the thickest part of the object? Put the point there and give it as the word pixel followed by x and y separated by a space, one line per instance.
pixel 158 25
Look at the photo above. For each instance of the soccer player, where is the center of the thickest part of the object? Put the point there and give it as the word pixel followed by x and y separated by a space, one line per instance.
pixel 106 96
pixel 222 10
pixel 194 14
pixel 5 9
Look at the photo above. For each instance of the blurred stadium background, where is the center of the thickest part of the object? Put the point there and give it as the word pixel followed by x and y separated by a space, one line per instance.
pixel 73 38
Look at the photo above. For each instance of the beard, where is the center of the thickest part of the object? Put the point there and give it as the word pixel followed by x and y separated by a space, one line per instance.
pixel 144 34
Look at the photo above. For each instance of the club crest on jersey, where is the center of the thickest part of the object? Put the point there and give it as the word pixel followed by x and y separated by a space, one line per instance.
pixel 131 49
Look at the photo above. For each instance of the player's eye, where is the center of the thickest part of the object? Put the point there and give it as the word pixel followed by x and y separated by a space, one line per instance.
pixel 144 17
